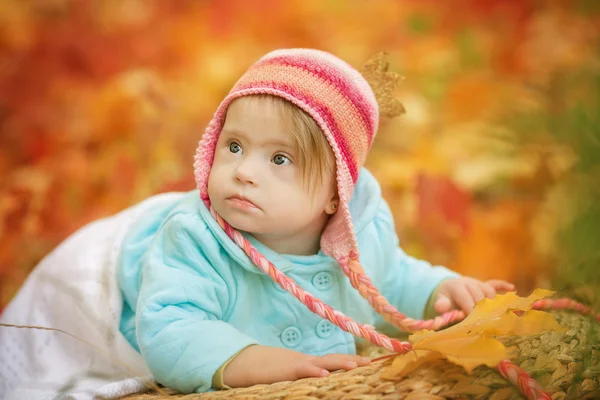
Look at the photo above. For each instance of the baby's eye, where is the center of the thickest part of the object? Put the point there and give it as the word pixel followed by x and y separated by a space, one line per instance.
pixel 235 148
pixel 280 160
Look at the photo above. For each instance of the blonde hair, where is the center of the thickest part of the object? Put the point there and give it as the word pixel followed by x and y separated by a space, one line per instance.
pixel 314 153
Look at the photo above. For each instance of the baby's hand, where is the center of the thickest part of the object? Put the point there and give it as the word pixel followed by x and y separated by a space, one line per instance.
pixel 462 293
pixel 322 365
pixel 263 364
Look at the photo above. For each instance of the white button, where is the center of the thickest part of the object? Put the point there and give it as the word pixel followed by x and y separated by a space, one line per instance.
pixel 291 336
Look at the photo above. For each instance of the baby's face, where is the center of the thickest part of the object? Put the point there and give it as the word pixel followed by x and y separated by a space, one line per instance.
pixel 256 185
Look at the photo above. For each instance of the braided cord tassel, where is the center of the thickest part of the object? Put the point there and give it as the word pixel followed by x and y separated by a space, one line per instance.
pixel 361 282
pixel 315 305
pixel 565 304
pixel 521 379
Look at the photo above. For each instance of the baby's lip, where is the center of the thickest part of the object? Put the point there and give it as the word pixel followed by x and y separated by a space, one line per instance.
pixel 243 199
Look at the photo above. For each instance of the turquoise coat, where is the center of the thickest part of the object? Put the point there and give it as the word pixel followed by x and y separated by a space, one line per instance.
pixel 193 299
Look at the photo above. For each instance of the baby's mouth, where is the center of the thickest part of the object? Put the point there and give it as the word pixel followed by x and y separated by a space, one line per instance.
pixel 242 202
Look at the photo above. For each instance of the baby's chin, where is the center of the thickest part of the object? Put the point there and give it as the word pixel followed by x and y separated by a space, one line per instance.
pixel 241 222
pixel 253 222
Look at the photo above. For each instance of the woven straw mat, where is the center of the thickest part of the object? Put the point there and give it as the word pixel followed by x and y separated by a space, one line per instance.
pixel 566 364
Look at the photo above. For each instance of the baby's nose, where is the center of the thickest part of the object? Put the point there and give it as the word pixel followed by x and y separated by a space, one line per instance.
pixel 246 172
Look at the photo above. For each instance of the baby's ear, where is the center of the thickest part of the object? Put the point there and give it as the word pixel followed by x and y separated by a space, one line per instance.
pixel 333 204
pixel 335 198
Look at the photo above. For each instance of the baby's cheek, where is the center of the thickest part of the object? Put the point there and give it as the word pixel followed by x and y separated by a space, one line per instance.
pixel 287 173
pixel 282 199
pixel 213 183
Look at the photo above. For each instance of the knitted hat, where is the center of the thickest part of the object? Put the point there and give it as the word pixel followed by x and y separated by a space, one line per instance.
pixel 344 106
pixel 337 97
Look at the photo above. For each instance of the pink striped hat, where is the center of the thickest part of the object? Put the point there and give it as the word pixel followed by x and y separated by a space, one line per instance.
pixel 343 104
pixel 336 96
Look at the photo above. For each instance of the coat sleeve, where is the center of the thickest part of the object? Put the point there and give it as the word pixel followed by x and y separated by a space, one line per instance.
pixel 182 303
pixel 405 281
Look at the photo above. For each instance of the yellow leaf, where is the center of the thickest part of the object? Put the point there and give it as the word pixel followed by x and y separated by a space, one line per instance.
pixel 469 351
pixel 471 343
pixel 530 323
pixel 507 301
pixel 496 317
pixel 406 363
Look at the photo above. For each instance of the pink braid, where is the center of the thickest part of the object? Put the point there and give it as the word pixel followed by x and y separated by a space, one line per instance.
pixel 521 379
pixel 565 304
pixel 361 282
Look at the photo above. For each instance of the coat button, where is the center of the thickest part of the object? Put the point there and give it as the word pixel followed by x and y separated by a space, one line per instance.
pixel 322 280
pixel 324 329
pixel 291 336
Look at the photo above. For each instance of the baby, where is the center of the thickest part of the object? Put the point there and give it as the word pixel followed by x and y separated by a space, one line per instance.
pixel 260 274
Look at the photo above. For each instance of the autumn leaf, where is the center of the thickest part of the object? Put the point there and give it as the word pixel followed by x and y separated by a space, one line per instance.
pixel 383 82
pixel 405 364
pixel 498 306
pixel 472 342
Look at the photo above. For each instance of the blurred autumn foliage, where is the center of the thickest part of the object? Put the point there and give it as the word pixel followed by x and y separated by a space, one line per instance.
pixel 102 104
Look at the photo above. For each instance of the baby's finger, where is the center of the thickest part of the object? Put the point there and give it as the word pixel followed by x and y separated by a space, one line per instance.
pixel 333 362
pixel 501 286
pixel 362 361
pixel 463 299
pixel 489 290
pixel 350 359
pixel 309 370
pixel 476 291
pixel 442 304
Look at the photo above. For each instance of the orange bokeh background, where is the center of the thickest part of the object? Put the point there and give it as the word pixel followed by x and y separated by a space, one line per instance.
pixel 102 104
